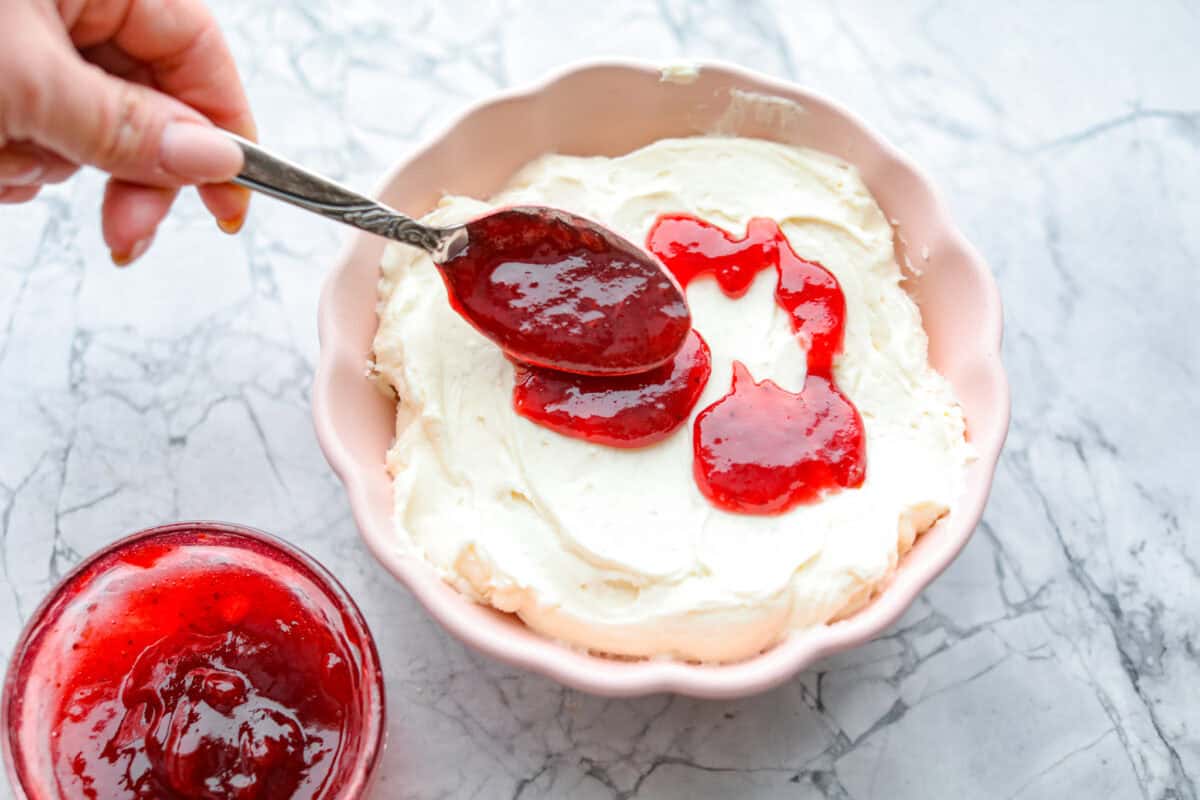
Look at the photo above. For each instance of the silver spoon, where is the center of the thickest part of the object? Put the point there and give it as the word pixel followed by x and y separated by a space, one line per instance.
pixel 550 288
pixel 282 179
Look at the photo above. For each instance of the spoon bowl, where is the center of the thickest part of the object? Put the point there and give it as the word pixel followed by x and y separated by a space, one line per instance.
pixel 559 291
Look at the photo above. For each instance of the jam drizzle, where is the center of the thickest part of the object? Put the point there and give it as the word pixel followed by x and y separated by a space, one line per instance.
pixel 807 291
pixel 629 411
pixel 761 449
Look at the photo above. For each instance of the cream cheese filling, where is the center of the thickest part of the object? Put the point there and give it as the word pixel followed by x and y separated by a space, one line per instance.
pixel 616 551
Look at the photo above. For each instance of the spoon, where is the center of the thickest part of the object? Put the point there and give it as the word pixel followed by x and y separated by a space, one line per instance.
pixel 550 288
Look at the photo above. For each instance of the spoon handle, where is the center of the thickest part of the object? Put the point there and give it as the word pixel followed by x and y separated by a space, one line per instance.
pixel 273 175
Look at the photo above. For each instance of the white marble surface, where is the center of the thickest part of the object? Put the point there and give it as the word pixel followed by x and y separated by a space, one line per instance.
pixel 1056 658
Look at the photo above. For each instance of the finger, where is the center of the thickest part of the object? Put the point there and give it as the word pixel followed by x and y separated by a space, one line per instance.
pixel 18 194
pixel 182 48
pixel 26 164
pixel 228 203
pixel 115 61
pixel 130 216
pixel 189 59
pixel 181 44
pixel 129 130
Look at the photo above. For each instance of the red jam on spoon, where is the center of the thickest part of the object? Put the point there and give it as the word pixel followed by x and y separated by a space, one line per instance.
pixel 561 292
pixel 195 661
pixel 626 411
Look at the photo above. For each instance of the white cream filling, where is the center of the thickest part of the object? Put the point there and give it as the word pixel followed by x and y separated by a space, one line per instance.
pixel 616 550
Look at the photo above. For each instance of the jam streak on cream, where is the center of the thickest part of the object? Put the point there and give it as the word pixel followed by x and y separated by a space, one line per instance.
pixel 761 449
pixel 625 411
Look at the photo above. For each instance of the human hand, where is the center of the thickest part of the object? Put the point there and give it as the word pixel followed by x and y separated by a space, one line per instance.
pixel 132 87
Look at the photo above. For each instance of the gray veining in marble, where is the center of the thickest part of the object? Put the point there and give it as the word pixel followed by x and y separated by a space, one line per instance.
pixel 1056 658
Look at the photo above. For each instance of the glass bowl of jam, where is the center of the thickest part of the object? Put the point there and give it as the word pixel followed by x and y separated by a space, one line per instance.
pixel 194 660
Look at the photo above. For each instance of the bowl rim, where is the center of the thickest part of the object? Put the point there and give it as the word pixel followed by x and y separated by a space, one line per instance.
pixel 609 677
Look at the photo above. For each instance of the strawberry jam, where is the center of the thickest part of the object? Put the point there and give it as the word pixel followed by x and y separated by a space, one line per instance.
pixel 195 661
pixel 558 291
pixel 806 290
pixel 626 411
pixel 760 449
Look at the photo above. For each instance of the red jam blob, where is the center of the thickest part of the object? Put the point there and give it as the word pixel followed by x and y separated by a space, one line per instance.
pixel 626 411
pixel 195 663
pixel 816 306
pixel 761 449
pixel 806 290
pixel 561 292
pixel 689 246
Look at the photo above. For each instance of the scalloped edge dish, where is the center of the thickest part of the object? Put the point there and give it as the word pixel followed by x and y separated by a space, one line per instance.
pixel 609 108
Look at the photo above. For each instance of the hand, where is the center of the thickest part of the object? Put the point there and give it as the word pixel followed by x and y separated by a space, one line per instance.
pixel 132 87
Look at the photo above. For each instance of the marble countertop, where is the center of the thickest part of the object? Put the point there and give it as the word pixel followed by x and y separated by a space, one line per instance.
pixel 1058 656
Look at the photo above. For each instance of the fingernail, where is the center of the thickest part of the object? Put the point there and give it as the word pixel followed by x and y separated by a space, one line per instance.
pixel 137 251
pixel 198 153
pixel 233 225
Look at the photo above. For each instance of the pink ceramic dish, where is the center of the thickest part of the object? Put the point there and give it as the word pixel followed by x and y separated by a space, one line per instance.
pixel 608 109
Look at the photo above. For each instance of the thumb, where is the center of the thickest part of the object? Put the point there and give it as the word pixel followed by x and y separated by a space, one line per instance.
pixel 131 131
